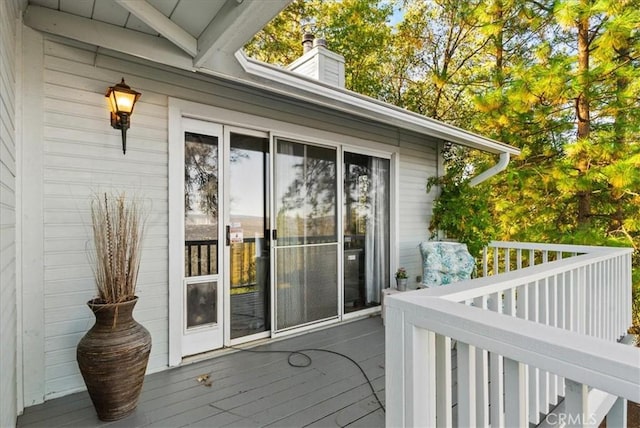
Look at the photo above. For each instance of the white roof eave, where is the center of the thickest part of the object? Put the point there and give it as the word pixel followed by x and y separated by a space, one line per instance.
pixel 297 86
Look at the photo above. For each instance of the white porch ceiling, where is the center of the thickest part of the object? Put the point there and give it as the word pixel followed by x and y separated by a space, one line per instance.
pixel 197 28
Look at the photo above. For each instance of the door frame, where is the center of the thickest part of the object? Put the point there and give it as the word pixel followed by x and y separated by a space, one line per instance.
pixel 393 248
pixel 177 279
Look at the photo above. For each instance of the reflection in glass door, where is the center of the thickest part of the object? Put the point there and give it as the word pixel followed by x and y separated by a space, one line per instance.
pixel 307 246
pixel 366 230
pixel 248 234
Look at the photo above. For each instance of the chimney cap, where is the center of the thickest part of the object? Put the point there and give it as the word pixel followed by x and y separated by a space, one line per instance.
pixel 320 42
pixel 307 42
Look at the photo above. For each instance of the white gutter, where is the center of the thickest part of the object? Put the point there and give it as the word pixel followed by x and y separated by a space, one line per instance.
pixel 497 168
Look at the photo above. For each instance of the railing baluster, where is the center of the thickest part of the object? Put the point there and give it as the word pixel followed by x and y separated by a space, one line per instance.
pixel 496 260
pixel 625 295
pixel 577 404
pixel 560 318
pixel 485 258
pixel 617 416
pixel 574 299
pixel 515 396
pixel 552 319
pixel 466 385
pixel 496 386
pixel 581 301
pixel 603 303
pixel 534 379
pixel 510 302
pixel 444 402
pixel 593 307
pixel 543 318
pixel 519 258
pixel 507 260
pixel 190 261
pixel 532 257
pixel 482 376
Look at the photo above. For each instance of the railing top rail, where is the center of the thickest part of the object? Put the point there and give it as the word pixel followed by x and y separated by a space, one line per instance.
pixel 472 288
pixel 610 367
pixel 565 248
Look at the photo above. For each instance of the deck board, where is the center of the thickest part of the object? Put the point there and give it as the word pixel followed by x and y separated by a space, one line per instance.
pixel 252 389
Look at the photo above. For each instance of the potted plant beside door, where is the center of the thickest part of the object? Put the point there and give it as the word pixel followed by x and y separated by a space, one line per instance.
pixel 113 355
pixel 401 279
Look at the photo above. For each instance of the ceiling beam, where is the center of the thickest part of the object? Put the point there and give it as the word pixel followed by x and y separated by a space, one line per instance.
pixel 107 36
pixel 163 25
pixel 234 25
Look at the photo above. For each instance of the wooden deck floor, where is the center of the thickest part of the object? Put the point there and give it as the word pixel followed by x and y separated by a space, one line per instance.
pixel 253 389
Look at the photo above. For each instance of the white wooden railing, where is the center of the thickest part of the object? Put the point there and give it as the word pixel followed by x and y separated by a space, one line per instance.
pixel 536 336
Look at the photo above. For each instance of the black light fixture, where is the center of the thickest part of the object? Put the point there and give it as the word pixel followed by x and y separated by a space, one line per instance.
pixel 122 99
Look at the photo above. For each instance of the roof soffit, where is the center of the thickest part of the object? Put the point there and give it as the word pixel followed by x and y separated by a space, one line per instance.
pixel 201 29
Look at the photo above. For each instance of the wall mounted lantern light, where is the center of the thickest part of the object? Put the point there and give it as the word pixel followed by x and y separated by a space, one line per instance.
pixel 122 99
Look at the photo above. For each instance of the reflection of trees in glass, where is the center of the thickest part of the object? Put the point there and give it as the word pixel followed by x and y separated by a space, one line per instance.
pixel 311 189
pixel 201 174
pixel 357 200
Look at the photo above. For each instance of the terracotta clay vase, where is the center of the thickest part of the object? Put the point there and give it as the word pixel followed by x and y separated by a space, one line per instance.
pixel 113 358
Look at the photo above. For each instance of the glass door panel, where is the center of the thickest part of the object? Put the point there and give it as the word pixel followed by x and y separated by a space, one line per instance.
pixel 249 238
pixel 306 221
pixel 366 230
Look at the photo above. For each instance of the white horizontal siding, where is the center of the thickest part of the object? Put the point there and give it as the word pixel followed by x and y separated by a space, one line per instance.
pixel 8 306
pixel 82 154
pixel 308 68
pixel 416 166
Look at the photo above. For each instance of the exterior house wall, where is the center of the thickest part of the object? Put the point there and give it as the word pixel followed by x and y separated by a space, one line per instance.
pixel 82 155
pixel 9 12
pixel 415 205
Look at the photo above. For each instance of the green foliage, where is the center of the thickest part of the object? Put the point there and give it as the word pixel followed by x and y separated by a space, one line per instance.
pixel 462 212
pixel 355 29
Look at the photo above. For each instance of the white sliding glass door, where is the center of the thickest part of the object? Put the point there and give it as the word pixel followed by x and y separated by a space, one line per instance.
pixel 306 245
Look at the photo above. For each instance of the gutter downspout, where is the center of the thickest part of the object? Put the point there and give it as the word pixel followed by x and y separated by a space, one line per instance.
pixel 497 168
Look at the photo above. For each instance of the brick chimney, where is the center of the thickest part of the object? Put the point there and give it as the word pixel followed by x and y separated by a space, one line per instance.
pixel 318 62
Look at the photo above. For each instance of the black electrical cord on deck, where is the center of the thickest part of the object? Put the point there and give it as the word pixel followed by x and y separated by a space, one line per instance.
pixel 308 361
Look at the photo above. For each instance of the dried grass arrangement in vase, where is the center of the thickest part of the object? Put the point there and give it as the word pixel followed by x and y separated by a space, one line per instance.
pixel 113 355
